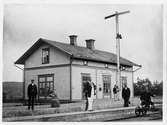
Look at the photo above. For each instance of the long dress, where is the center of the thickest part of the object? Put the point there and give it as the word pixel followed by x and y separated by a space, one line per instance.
pixel 90 99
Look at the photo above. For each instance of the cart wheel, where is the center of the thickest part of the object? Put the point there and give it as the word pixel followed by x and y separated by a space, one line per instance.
pixel 144 112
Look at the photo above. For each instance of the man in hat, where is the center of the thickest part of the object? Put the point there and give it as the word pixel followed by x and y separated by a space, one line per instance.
pixel 32 93
pixel 90 92
pixel 126 95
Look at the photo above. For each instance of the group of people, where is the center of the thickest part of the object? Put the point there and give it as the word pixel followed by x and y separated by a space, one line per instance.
pixel 125 94
pixel 90 94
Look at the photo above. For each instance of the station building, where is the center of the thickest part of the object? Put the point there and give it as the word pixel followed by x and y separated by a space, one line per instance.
pixel 66 68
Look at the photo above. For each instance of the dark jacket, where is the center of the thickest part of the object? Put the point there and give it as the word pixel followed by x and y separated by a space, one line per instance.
pixel 126 93
pixel 32 90
pixel 88 89
pixel 114 90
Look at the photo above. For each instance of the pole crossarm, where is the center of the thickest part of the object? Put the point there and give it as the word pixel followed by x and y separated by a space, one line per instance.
pixel 120 13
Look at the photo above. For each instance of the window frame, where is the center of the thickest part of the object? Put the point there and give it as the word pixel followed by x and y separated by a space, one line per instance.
pixel 43 84
pixel 108 83
pixel 43 58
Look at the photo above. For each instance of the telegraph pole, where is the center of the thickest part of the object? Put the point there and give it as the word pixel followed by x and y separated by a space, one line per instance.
pixel 118 37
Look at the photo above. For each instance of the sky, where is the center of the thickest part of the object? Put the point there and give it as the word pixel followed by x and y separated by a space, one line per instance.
pixel 141 30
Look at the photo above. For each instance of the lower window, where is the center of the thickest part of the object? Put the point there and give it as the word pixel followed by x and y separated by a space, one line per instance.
pixel 123 81
pixel 107 85
pixel 45 85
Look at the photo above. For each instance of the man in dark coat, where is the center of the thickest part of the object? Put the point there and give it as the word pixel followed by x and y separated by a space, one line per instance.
pixel 126 95
pixel 90 92
pixel 32 93
pixel 87 91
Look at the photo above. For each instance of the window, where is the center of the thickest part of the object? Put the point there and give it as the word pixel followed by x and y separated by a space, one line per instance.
pixel 85 63
pixel 106 84
pixel 123 81
pixel 45 84
pixel 85 78
pixel 45 56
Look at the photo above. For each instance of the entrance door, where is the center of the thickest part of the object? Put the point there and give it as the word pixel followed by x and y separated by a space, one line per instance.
pixel 45 85
pixel 85 77
pixel 107 86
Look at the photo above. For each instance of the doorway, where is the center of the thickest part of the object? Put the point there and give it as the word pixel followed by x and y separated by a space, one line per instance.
pixel 85 77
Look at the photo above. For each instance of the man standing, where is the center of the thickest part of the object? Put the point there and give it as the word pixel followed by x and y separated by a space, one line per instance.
pixel 126 95
pixel 87 91
pixel 90 92
pixel 32 93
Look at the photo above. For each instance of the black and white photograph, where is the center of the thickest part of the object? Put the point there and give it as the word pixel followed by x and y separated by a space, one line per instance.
pixel 82 62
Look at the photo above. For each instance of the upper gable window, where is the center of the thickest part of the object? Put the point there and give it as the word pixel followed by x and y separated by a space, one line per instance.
pixel 45 56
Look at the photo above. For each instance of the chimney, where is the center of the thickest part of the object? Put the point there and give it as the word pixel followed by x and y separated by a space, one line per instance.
pixel 90 44
pixel 73 40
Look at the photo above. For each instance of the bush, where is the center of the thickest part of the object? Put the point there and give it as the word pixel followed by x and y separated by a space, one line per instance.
pixel 156 88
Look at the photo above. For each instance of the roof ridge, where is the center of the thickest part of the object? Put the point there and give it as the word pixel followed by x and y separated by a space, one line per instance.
pixel 77 46
pixel 77 52
pixel 85 48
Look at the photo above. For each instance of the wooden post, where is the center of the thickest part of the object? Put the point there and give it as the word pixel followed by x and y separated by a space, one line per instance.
pixel 118 52
pixel 118 37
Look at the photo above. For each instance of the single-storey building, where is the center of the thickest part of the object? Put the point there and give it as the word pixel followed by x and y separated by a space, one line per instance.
pixel 66 68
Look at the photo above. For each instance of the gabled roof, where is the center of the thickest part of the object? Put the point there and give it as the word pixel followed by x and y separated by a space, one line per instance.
pixel 77 52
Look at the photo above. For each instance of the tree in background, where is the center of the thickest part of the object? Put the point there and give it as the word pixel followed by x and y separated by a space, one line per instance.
pixel 156 88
